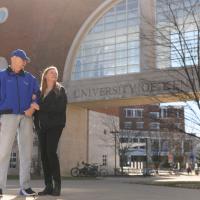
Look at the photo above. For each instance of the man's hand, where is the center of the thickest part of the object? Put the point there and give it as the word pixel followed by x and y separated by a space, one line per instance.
pixel 29 112
pixel 35 106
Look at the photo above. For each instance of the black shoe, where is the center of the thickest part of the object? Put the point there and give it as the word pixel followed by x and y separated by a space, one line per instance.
pixel 47 190
pixel 27 192
pixel 1 192
pixel 56 190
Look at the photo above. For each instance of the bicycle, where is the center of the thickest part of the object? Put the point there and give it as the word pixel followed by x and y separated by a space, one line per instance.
pixel 84 170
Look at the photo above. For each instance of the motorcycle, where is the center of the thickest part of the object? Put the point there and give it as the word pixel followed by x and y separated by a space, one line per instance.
pixel 84 170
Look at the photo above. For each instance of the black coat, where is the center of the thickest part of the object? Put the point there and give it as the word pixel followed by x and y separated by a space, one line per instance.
pixel 52 111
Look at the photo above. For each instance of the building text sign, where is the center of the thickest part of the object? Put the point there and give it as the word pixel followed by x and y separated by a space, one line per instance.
pixel 123 89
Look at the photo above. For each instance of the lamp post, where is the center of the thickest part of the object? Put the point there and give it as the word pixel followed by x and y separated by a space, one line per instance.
pixel 146 155
pixel 115 147
pixel 115 153
pixel 146 172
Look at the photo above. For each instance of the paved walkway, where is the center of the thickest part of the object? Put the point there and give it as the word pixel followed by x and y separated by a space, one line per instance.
pixel 112 189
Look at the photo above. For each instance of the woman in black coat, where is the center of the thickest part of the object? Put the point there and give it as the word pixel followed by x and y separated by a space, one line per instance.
pixel 49 122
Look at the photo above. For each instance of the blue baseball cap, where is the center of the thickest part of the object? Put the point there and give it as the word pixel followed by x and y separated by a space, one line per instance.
pixel 20 53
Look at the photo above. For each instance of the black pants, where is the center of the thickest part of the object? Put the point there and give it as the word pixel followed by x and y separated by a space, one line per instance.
pixel 48 139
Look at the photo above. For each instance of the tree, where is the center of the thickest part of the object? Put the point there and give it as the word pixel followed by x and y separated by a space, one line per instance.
pixel 175 39
pixel 121 142
pixel 168 145
pixel 198 158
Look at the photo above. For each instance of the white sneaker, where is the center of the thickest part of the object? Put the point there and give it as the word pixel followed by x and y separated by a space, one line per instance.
pixel 27 192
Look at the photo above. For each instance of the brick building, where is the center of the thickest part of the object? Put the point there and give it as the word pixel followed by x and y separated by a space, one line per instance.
pixel 156 134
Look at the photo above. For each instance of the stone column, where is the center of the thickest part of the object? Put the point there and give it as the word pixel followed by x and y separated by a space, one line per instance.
pixel 73 146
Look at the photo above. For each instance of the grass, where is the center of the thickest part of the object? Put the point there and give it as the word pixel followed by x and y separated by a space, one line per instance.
pixel 180 184
pixel 79 178
pixel 13 177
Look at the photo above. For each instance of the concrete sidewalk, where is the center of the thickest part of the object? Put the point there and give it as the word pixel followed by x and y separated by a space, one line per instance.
pixel 111 189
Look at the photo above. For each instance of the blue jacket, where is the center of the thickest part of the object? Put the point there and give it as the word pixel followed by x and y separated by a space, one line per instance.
pixel 16 91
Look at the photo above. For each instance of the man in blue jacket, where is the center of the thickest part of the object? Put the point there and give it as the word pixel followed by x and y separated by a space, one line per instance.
pixel 19 91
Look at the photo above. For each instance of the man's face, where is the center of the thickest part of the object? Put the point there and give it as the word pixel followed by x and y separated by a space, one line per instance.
pixel 17 63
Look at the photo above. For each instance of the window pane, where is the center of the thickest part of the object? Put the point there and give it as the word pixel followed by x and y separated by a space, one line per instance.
pixel 121 70
pixel 121 54
pixel 133 68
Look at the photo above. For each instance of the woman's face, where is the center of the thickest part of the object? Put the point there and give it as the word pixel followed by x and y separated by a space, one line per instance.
pixel 51 76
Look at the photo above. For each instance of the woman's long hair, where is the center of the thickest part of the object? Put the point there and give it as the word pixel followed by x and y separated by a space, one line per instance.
pixel 43 85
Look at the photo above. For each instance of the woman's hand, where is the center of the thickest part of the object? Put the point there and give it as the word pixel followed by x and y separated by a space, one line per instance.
pixel 34 97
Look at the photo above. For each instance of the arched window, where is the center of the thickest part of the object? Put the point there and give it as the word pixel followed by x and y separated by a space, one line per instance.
pixel 112 45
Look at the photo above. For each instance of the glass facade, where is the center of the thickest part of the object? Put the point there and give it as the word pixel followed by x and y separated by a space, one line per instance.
pixel 177 33
pixel 112 46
